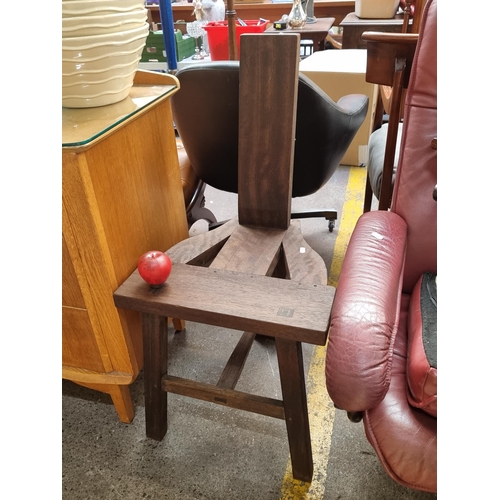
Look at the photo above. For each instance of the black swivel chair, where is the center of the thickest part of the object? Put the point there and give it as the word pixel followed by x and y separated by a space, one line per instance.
pixel 205 111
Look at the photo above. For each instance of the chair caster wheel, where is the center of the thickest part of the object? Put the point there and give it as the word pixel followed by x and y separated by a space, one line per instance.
pixel 331 225
pixel 355 416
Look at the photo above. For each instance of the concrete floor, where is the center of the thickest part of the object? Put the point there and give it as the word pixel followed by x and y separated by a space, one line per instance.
pixel 217 453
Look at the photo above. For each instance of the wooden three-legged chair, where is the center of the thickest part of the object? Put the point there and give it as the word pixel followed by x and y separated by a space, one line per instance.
pixel 255 273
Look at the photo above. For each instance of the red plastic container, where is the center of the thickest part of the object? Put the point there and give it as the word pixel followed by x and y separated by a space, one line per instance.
pixel 217 34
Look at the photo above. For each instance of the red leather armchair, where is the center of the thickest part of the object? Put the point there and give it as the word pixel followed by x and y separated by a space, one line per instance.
pixel 368 365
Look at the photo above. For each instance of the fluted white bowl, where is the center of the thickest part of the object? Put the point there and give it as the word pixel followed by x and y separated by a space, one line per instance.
pixel 100 69
pixel 73 8
pixel 103 23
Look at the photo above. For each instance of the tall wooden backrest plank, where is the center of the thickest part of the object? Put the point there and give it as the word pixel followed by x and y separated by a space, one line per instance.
pixel 269 69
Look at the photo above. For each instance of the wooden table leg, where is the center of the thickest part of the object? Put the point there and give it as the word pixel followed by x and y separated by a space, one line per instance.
pixel 120 395
pixel 321 44
pixel 154 329
pixel 293 388
pixel 179 324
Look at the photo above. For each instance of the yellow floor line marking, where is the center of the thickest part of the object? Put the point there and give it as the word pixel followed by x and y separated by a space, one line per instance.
pixel 320 406
pixel 351 211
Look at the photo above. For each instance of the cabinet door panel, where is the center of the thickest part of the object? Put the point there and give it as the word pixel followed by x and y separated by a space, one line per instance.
pixel 79 348
pixel 71 293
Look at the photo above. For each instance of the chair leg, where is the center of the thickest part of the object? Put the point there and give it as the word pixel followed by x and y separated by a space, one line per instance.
pixel 293 388
pixel 154 329
pixel 201 213
pixel 216 224
pixel 392 134
pixel 329 214
pixel 368 195
pixel 179 324
pixel 196 209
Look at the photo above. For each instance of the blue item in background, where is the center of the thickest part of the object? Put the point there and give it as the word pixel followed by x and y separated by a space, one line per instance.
pixel 167 24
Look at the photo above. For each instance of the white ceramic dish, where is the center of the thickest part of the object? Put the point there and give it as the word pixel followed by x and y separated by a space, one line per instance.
pixel 72 8
pixel 104 23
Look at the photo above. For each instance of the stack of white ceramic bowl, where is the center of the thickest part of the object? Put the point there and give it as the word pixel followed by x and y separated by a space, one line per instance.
pixel 102 44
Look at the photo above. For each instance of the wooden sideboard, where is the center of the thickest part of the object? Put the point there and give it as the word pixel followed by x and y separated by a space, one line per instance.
pixel 183 11
pixel 121 196
pixel 353 27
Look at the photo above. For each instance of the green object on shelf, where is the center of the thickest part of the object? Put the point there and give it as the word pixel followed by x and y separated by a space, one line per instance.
pixel 154 50
pixel 185 46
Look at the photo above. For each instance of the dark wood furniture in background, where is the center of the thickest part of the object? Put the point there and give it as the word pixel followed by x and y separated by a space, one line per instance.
pixel 389 62
pixel 406 22
pixel 315 31
pixel 183 11
pixel 353 27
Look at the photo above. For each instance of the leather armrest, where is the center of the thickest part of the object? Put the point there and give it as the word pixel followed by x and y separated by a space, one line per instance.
pixel 352 103
pixel 365 312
